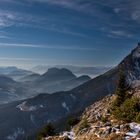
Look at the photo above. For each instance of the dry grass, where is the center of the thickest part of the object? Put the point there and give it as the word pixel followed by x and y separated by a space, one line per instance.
pixel 55 138
pixel 116 137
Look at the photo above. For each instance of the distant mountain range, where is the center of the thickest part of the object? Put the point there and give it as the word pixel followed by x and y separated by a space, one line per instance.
pixel 29 78
pixel 11 90
pixel 55 80
pixel 77 70
pixel 14 72
pixel 30 84
pixel 23 119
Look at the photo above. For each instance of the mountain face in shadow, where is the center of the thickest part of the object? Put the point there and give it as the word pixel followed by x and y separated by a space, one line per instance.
pixel 29 78
pixel 53 80
pixel 56 74
pixel 36 111
pixel 14 72
pixel 10 90
pixel 77 70
pixel 56 79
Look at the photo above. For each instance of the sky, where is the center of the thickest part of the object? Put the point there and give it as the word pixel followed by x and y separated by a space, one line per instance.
pixel 67 32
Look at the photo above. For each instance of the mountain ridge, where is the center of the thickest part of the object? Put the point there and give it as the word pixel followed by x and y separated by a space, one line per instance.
pixel 59 105
pixel 57 79
pixel 54 73
pixel 14 72
pixel 77 70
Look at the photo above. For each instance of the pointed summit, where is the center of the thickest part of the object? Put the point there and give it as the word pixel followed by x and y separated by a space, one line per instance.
pixel 136 51
pixel 131 65
pixel 138 43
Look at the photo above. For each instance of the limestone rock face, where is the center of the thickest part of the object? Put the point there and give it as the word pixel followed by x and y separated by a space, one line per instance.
pixel 103 126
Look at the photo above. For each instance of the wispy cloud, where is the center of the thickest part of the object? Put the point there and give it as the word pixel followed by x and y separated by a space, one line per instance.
pixel 14 45
pixel 6 19
pixel 4 37
pixel 74 4
pixel 126 8
pixel 119 33
pixel 10 18
pixel 125 12
pixel 129 9
pixel 117 10
pixel 57 29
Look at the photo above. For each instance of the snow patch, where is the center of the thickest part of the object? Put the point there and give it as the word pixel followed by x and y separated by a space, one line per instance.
pixel 70 135
pixel 73 96
pixel 18 131
pixel 64 105
pixel 21 106
pixel 24 107
pixel 135 129
pixel 32 118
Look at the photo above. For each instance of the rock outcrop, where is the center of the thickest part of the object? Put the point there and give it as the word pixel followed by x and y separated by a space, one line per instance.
pixel 97 123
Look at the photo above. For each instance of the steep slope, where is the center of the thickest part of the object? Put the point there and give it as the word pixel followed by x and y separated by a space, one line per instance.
pixel 35 112
pixel 40 109
pixel 131 66
pixel 98 123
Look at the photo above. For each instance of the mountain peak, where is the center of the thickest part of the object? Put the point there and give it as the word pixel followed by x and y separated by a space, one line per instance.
pixel 138 43
pixel 136 51
pixel 131 65
pixel 56 74
pixel 132 57
pixel 57 71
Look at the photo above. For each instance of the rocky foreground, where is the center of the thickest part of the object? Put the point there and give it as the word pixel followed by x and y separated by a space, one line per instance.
pixel 97 123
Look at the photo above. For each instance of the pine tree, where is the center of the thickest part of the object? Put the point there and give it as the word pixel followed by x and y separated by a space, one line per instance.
pixel 121 91
pixel 48 130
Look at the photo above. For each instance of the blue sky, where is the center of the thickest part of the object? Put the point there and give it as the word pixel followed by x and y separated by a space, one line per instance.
pixel 74 32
